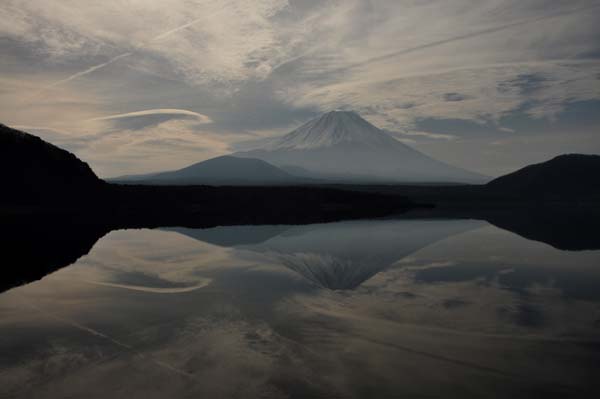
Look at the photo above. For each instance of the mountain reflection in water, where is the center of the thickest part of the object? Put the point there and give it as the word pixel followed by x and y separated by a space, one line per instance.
pixel 338 256
pixel 386 308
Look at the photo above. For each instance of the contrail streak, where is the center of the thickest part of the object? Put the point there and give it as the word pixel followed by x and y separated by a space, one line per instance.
pixel 124 55
pixel 441 42
pixel 437 72
pixel 82 73
pixel 470 35
pixel 175 30
pixel 120 344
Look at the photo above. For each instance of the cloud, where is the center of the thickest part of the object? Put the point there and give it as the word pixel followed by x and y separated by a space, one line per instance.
pixel 475 49
pixel 488 92
pixel 94 68
pixel 454 97
pixel 471 35
pixel 168 145
pixel 82 73
pixel 201 39
pixel 436 136
pixel 264 66
pixel 154 290
pixel 166 111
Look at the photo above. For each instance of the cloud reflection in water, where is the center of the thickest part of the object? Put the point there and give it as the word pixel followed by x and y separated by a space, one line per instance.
pixel 353 309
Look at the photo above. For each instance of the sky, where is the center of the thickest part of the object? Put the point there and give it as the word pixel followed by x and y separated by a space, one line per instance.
pixel 136 86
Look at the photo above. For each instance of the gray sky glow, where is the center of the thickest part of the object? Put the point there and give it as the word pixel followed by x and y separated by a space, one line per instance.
pixel 135 86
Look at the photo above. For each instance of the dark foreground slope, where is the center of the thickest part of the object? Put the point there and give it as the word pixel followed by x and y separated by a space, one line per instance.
pixel 209 205
pixel 39 178
pixel 566 176
pixel 53 208
pixel 36 245
pixel 37 240
pixel 571 180
pixel 32 170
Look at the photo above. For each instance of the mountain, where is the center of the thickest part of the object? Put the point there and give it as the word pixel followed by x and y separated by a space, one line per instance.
pixel 34 170
pixel 224 170
pixel 341 145
pixel 231 236
pixel 33 247
pixel 41 179
pixel 570 175
pixel 337 256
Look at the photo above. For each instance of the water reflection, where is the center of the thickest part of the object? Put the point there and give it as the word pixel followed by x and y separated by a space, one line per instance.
pixel 436 308
pixel 337 256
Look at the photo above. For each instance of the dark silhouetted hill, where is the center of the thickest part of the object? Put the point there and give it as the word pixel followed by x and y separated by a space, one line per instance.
pixel 33 170
pixel 53 207
pixel 566 176
pixel 36 245
pixel 39 178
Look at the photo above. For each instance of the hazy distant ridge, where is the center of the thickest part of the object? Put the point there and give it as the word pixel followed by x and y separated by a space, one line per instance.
pixel 219 171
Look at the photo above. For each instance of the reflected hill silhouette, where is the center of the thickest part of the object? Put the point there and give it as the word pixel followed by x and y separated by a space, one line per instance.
pixel 54 208
pixel 331 255
pixel 232 236
pixel 569 230
pixel 343 255
pixel 33 249
pixel 566 228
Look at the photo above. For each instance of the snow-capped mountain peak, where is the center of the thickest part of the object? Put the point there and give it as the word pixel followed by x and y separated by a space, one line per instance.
pixel 332 128
pixel 342 146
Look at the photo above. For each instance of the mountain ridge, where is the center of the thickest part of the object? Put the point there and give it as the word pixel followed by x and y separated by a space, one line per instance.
pixel 226 169
pixel 332 128
pixel 336 147
pixel 567 174
pixel 343 146
pixel 36 170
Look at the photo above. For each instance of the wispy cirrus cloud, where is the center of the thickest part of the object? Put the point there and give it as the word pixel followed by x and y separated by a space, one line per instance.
pixel 254 67
pixel 203 39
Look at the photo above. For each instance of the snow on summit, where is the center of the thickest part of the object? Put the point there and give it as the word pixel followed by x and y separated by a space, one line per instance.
pixel 342 146
pixel 332 128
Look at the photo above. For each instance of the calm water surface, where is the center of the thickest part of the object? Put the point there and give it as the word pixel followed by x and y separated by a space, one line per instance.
pixel 380 309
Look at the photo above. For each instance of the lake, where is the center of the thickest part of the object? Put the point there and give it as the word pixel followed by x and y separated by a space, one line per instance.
pixel 360 309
